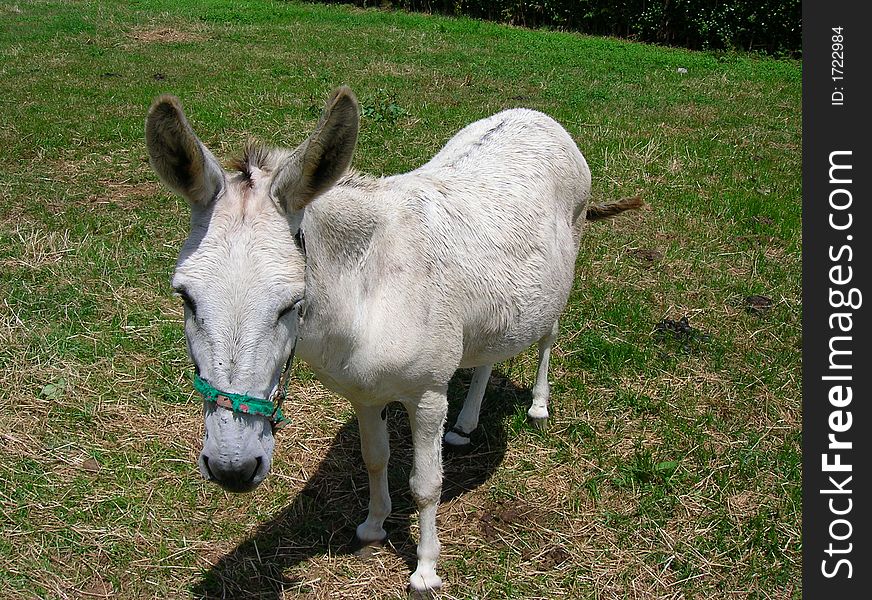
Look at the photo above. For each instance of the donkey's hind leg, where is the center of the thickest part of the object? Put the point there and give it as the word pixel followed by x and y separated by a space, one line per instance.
pixel 467 420
pixel 538 412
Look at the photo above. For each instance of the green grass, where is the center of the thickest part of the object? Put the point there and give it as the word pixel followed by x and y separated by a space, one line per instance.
pixel 671 467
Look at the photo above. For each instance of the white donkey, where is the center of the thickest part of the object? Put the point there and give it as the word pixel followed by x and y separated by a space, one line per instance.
pixel 383 286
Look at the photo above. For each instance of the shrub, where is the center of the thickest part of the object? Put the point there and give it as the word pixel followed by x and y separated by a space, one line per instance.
pixel 772 26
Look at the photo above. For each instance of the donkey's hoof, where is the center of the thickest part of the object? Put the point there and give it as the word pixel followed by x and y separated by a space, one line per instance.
pixel 457 441
pixel 540 423
pixel 365 551
pixel 365 542
pixel 423 585
pixel 538 415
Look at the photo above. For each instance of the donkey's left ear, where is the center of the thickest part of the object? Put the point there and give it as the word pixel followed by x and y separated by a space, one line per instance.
pixel 323 158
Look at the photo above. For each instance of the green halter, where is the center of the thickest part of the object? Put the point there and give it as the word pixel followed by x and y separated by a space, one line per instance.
pixel 241 403
pixel 249 405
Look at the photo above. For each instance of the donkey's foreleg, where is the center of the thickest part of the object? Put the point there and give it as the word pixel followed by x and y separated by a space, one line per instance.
pixel 376 451
pixel 467 420
pixel 427 417
pixel 538 412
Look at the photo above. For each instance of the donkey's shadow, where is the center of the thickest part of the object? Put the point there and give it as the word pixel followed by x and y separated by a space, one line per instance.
pixel 323 516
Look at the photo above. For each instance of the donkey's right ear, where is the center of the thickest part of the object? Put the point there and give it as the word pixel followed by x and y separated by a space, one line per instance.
pixel 180 159
pixel 323 158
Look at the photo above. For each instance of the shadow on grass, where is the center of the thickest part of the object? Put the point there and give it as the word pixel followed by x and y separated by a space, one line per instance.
pixel 323 516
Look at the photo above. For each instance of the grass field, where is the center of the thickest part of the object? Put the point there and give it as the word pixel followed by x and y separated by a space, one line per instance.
pixel 672 465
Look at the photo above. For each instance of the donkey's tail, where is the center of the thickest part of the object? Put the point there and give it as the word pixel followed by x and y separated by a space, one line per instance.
pixel 597 212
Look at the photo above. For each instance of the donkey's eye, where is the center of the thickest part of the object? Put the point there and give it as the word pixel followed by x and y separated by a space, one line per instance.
pixel 290 308
pixel 186 298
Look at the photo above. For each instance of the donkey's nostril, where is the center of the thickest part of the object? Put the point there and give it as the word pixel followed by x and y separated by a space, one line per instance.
pixel 208 470
pixel 234 475
pixel 256 471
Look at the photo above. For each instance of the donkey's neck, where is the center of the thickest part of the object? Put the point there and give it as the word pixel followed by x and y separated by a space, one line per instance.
pixel 341 223
pixel 342 230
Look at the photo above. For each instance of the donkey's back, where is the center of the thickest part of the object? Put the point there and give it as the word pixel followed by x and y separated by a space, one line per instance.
pixel 517 150
pixel 506 202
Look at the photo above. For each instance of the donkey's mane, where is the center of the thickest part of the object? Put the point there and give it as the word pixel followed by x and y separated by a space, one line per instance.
pixel 256 156
pixel 265 158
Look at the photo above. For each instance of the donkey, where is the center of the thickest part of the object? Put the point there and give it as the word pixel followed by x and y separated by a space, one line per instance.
pixel 385 287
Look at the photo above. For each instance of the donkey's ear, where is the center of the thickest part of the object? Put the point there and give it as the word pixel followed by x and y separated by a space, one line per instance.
pixel 323 158
pixel 177 156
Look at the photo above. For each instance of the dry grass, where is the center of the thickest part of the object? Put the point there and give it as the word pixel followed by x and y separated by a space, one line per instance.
pixel 166 35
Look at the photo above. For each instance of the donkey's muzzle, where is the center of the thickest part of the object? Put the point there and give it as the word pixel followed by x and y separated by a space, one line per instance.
pixel 242 475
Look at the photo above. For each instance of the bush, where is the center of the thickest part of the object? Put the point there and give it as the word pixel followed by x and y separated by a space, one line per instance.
pixel 772 26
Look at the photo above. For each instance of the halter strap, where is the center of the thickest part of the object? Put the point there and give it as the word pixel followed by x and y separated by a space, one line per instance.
pixel 249 405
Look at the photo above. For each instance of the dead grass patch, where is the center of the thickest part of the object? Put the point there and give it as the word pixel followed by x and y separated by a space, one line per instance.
pixel 40 248
pixel 166 35
pixel 124 193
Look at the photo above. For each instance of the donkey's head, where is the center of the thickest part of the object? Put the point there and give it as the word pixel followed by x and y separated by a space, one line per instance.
pixel 241 272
